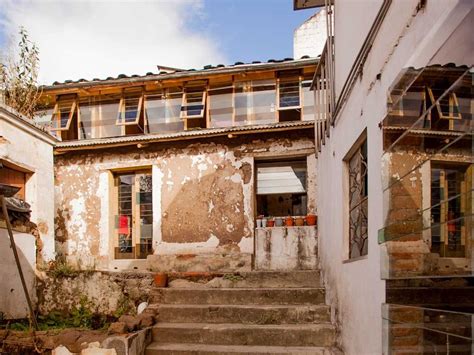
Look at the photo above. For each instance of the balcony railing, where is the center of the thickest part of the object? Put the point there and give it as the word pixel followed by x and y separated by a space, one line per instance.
pixel 324 93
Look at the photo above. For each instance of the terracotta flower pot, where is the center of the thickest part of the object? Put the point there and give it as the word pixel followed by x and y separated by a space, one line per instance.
pixel 289 221
pixel 270 223
pixel 299 221
pixel 160 279
pixel 311 220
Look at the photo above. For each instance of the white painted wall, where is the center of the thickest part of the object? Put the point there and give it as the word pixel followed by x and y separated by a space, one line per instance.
pixel 12 298
pixel 309 38
pixel 355 287
pixel 352 21
pixel 26 146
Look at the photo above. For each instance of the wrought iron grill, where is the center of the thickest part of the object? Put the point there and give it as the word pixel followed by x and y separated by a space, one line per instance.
pixel 358 202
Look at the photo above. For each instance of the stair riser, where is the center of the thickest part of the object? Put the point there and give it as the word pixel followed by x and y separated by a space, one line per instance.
pixel 324 336
pixel 239 296
pixel 243 351
pixel 222 314
pixel 293 279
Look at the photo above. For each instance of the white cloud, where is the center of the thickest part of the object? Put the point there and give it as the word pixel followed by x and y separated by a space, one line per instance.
pixel 90 38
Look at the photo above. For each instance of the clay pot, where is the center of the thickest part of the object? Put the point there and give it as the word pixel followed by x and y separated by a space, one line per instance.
pixel 160 279
pixel 289 222
pixel 311 220
pixel 264 222
pixel 259 223
pixel 299 221
pixel 270 223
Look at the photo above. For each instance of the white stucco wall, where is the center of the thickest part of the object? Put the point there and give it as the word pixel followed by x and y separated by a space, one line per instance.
pixel 12 297
pixel 309 38
pixel 355 287
pixel 25 146
pixel 352 22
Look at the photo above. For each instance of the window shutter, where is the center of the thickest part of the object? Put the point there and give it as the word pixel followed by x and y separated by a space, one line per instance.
pixel 281 178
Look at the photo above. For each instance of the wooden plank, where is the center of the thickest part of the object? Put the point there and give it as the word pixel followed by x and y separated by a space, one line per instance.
pixel 14 178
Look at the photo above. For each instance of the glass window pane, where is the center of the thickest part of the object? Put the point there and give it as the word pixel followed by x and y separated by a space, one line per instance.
pixel 263 101
pixel 163 113
pixel 109 107
pixel 221 107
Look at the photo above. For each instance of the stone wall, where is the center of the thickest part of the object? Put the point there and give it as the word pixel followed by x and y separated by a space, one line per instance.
pixel 203 195
pixel 109 293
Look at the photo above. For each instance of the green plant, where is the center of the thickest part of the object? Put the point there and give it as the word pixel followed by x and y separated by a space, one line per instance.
pixel 233 277
pixel 18 76
pixel 124 306
pixel 62 269
pixel 81 317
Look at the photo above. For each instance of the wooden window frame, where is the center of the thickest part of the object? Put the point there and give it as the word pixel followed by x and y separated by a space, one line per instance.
pixel 183 114
pixel 135 226
pixel 279 82
pixel 452 101
pixel 121 119
pixel 57 112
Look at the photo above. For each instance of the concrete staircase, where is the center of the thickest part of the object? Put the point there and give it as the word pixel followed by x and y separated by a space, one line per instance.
pixel 244 313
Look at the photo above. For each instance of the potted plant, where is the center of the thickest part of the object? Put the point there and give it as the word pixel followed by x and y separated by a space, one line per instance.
pixel 270 222
pixel 259 221
pixel 311 219
pixel 264 222
pixel 299 221
pixel 289 221
pixel 278 222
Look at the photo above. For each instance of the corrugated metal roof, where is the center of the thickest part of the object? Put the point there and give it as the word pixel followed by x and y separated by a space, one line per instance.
pixel 427 132
pixel 206 70
pixel 202 133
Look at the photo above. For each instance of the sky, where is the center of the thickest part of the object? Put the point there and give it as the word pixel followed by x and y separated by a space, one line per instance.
pixel 101 38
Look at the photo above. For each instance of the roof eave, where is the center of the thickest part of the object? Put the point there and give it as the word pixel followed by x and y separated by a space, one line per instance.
pixel 63 147
pixel 182 75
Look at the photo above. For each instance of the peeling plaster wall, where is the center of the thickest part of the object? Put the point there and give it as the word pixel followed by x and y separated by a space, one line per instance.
pixel 203 195
pixel 28 149
pixel 406 38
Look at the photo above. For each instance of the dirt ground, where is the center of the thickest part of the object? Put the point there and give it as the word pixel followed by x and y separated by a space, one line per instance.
pixel 42 342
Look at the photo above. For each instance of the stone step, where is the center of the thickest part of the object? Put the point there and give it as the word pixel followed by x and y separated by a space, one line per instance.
pixel 245 296
pixel 206 349
pixel 322 335
pixel 256 279
pixel 244 314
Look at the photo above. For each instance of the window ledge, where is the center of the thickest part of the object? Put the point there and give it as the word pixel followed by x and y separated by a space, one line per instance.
pixel 348 261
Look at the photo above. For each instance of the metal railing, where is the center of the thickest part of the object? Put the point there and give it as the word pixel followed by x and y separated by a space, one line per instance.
pixel 413 329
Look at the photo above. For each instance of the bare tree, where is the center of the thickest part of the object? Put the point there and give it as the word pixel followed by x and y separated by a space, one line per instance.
pixel 18 76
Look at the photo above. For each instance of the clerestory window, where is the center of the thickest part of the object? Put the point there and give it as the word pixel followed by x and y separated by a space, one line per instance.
pixel 193 107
